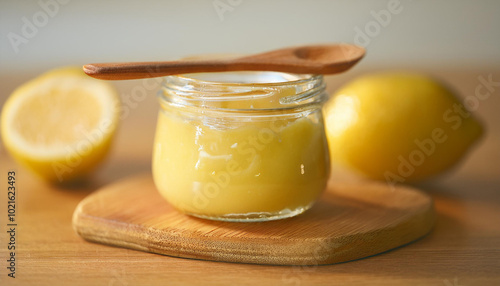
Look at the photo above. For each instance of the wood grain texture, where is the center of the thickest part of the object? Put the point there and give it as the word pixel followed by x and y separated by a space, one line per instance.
pixel 350 221
pixel 462 249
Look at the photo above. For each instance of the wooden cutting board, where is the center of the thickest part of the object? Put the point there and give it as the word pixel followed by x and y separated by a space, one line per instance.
pixel 350 221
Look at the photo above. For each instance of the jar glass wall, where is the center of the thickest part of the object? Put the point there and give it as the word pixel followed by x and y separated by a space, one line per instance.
pixel 241 146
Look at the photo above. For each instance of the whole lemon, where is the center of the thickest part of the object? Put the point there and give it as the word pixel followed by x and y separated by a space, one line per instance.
pixel 398 127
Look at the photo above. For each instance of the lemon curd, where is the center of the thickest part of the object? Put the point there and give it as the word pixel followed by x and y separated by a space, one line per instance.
pixel 247 146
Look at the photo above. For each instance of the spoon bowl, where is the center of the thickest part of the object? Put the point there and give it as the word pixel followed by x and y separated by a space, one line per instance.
pixel 316 59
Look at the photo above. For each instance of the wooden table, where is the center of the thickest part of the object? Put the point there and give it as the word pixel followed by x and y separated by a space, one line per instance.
pixel 463 249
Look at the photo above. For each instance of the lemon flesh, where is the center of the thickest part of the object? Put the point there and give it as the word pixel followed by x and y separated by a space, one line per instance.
pixel 398 127
pixel 60 125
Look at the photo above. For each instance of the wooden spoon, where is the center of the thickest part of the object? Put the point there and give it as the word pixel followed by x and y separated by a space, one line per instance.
pixel 318 59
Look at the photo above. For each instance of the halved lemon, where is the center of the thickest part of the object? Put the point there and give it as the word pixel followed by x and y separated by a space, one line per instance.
pixel 61 124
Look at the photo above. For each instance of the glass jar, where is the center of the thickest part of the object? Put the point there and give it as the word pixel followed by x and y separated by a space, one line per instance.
pixel 241 146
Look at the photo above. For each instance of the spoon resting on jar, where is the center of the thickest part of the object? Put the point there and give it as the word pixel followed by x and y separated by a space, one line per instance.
pixel 314 59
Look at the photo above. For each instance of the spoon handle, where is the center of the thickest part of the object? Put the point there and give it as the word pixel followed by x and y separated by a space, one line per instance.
pixel 138 70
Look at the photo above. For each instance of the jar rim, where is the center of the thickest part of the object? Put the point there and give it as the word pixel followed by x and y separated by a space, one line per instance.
pixel 301 78
pixel 252 90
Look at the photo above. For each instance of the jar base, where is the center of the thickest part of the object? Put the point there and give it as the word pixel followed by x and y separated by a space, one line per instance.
pixel 256 216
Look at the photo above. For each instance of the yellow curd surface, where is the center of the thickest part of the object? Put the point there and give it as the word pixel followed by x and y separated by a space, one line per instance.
pixel 265 166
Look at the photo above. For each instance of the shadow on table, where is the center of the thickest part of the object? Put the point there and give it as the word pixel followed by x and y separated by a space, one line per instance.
pixel 112 171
